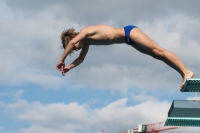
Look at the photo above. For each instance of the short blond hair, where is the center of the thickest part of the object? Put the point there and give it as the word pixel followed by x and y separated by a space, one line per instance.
pixel 67 36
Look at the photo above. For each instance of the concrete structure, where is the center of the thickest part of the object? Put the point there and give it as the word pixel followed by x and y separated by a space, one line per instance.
pixel 184 113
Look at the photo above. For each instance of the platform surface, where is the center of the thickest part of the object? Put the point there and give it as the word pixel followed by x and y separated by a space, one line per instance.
pixel 192 85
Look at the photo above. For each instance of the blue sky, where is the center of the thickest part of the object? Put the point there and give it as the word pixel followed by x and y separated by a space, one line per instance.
pixel 114 89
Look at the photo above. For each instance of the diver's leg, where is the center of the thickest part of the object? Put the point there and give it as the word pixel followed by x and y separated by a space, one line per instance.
pixel 168 57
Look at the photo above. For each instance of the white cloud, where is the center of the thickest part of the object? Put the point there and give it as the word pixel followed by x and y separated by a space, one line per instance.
pixel 47 81
pixel 73 116
pixel 29 51
pixel 142 97
pixel 18 94
pixel 118 77
pixel 120 67
pixel 35 46
pixel 2 128
pixel 196 97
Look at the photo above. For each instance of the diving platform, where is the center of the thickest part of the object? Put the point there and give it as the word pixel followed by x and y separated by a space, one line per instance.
pixel 184 113
pixel 192 85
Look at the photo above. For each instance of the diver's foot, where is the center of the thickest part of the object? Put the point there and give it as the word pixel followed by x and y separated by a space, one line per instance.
pixel 189 74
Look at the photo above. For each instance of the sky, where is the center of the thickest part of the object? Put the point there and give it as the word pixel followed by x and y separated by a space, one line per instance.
pixel 115 88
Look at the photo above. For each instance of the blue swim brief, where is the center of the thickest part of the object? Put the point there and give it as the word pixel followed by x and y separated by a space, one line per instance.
pixel 127 30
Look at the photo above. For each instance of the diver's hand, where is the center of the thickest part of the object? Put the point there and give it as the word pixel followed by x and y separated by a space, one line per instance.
pixel 60 65
pixel 65 69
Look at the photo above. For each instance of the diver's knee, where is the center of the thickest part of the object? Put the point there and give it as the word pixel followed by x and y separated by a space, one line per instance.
pixel 158 52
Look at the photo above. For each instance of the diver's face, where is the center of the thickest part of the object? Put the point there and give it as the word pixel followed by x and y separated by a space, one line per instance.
pixel 78 46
